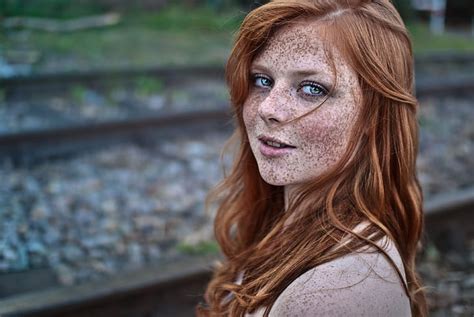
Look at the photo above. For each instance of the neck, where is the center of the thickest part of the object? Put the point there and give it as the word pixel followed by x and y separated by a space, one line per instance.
pixel 289 192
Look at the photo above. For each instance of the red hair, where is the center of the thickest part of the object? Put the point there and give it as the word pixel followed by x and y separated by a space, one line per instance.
pixel 375 181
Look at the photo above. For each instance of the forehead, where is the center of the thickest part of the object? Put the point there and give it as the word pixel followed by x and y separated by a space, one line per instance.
pixel 301 46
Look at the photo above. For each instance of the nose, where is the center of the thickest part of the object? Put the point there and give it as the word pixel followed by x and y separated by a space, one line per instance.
pixel 274 109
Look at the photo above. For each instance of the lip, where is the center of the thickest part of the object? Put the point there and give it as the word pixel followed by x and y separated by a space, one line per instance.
pixel 265 138
pixel 270 151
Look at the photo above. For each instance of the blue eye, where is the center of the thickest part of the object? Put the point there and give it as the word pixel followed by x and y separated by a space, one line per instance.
pixel 313 89
pixel 262 81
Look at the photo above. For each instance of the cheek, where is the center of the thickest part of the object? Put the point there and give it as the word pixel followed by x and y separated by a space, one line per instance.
pixel 322 141
pixel 249 113
pixel 322 128
pixel 248 119
pixel 327 135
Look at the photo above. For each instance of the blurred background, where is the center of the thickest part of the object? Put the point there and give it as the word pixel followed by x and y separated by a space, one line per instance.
pixel 113 114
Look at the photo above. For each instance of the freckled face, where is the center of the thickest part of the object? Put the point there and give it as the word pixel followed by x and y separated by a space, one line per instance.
pixel 291 77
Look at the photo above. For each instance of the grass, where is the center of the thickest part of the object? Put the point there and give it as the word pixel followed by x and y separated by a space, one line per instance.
pixel 425 42
pixel 202 248
pixel 132 47
pixel 78 93
pixel 168 37
pixel 147 86
pixel 176 18
pixel 49 8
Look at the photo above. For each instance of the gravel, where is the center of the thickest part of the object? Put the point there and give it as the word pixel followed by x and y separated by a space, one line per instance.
pixel 124 207
pixel 448 278
pixel 82 105
pixel 446 155
pixel 116 209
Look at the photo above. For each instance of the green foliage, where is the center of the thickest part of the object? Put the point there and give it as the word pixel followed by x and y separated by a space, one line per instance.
pixel 182 19
pixel 424 41
pixel 422 121
pixel 78 93
pixel 201 248
pixel 147 86
pixel 432 253
pixel 50 8
pixel 405 9
pixel 176 35
pixel 125 46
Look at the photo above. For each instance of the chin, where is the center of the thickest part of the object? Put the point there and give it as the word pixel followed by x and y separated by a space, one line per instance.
pixel 275 180
pixel 280 180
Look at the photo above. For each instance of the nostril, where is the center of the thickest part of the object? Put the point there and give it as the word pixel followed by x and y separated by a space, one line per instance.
pixel 269 118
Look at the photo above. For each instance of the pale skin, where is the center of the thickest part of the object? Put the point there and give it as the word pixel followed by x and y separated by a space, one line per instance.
pixel 359 284
pixel 291 77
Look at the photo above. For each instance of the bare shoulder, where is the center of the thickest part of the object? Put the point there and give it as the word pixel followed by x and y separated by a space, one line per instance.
pixel 358 284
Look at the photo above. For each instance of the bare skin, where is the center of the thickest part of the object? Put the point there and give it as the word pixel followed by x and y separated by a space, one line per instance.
pixel 360 284
pixel 292 77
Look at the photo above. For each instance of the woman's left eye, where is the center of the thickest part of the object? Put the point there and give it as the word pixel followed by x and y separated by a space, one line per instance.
pixel 313 89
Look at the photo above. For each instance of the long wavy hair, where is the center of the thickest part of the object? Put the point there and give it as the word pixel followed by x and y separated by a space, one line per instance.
pixel 374 182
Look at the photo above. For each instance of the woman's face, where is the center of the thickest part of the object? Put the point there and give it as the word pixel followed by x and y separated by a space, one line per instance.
pixel 291 77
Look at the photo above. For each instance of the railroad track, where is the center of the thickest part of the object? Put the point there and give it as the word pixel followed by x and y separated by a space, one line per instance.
pixel 174 289
pixel 445 58
pixel 31 146
pixel 171 289
pixel 26 147
pixel 50 82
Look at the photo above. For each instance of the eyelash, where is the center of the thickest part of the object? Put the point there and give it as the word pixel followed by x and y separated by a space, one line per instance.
pixel 256 77
pixel 312 84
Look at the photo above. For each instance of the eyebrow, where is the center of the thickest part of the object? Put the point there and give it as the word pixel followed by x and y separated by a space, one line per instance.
pixel 260 67
pixel 295 73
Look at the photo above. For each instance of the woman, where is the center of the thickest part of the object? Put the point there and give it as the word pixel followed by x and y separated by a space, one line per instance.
pixel 321 212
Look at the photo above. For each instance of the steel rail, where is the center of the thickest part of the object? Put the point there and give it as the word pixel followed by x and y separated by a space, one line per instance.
pixel 192 70
pixel 28 147
pixel 173 289
pixel 174 74
pixel 22 147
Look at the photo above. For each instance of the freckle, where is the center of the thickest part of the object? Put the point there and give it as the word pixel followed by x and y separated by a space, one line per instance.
pixel 321 136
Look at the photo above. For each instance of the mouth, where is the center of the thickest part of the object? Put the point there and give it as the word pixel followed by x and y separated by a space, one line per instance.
pixel 272 148
pixel 275 143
